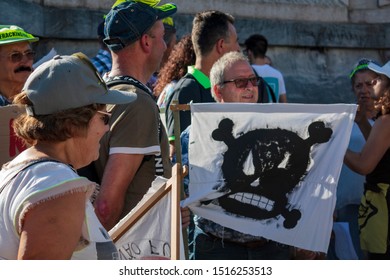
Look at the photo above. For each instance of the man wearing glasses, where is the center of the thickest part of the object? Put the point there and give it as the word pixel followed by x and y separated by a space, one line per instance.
pixel 232 80
pixel 16 60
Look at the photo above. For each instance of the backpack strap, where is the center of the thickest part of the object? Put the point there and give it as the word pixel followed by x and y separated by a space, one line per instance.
pixel 120 80
pixel 264 89
pixel 271 91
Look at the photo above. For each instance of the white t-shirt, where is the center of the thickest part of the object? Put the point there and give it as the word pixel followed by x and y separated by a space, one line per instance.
pixel 273 77
pixel 41 182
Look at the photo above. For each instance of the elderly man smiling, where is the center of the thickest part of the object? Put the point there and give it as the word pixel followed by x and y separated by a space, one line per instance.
pixel 16 60
pixel 232 80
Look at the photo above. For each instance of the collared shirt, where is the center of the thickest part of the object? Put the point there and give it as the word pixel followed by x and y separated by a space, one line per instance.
pixel 102 61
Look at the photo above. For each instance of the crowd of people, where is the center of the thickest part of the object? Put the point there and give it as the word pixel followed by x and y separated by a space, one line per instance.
pixel 97 140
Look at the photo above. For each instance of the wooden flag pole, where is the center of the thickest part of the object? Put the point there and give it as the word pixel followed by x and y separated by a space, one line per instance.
pixel 176 108
pixel 175 212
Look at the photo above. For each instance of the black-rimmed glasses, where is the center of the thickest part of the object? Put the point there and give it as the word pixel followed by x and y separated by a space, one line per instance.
pixel 105 118
pixel 243 82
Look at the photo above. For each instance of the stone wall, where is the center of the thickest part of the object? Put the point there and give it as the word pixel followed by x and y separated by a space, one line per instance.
pixel 314 43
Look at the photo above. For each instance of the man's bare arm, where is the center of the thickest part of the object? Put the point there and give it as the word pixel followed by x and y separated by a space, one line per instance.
pixel 118 174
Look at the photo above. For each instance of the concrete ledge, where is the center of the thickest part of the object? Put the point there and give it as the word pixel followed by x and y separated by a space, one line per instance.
pixel 300 10
pixel 314 43
pixel 79 23
pixel 51 22
pixel 373 16
pixel 91 4
pixel 300 33
pixel 383 3
pixel 315 10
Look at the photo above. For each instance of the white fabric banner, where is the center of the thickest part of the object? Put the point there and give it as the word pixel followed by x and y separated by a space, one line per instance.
pixel 150 237
pixel 269 170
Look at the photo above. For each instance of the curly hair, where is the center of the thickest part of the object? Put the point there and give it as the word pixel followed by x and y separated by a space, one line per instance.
pixel 181 56
pixel 383 104
pixel 54 127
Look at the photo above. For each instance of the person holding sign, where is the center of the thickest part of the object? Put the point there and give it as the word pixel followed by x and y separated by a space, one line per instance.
pixel 232 80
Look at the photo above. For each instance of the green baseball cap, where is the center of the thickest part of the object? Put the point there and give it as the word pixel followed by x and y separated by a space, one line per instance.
pixel 11 34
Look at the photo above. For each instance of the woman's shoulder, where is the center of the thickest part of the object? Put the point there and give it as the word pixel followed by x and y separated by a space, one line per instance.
pixel 21 163
pixel 385 117
pixel 381 127
pixel 38 181
pixel 383 120
pixel 38 173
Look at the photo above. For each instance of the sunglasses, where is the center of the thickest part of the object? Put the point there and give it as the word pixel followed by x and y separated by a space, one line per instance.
pixel 105 118
pixel 16 57
pixel 243 82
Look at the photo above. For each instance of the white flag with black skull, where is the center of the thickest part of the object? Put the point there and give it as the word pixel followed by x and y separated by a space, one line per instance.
pixel 269 170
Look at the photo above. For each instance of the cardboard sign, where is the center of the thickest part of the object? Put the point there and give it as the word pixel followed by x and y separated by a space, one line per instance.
pixel 10 145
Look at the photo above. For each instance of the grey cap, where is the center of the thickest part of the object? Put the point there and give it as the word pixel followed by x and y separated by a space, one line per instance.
pixel 67 82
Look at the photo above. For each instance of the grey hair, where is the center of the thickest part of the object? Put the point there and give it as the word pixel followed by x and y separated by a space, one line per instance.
pixel 217 72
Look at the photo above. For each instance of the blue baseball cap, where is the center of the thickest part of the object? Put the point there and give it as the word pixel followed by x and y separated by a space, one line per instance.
pixel 128 21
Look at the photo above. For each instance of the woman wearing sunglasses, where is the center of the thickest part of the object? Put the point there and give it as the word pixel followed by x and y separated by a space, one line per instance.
pixel 44 204
pixel 16 61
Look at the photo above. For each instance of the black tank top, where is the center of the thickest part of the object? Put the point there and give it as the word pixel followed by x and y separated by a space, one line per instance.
pixel 381 173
